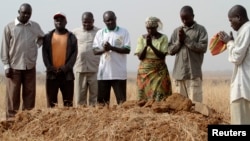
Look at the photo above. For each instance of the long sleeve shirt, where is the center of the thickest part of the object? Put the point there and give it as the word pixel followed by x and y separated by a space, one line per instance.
pixel 189 56
pixel 239 55
pixel 20 44
pixel 86 60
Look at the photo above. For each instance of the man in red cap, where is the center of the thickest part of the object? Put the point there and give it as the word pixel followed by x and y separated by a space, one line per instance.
pixel 60 14
pixel 59 56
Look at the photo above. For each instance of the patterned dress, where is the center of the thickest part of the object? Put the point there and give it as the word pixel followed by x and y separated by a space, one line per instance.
pixel 153 80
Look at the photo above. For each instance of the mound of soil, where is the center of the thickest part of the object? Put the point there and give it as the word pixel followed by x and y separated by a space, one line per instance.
pixel 171 120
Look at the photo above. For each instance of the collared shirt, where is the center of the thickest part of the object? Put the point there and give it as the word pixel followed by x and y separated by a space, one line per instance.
pixel 189 56
pixel 86 60
pixel 19 45
pixel 239 55
pixel 112 65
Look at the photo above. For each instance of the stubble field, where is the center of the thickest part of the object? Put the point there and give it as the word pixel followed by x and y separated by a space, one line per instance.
pixel 172 120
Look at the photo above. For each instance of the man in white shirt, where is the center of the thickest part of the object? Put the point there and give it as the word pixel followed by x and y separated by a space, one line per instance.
pixel 239 55
pixel 113 44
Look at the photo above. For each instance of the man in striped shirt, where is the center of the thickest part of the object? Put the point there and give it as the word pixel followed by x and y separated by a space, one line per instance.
pixel 19 54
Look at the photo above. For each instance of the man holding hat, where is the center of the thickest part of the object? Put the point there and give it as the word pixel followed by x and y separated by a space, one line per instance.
pixel 59 56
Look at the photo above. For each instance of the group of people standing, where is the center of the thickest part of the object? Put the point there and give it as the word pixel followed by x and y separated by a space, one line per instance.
pixel 92 60
pixel 85 60
pixel 188 43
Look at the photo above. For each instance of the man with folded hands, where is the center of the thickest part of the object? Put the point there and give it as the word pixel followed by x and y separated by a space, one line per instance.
pixel 239 55
pixel 59 57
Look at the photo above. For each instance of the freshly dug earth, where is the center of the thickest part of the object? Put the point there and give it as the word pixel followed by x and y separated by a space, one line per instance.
pixel 171 120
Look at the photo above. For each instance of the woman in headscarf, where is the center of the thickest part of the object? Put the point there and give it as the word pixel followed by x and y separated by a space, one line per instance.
pixel 153 80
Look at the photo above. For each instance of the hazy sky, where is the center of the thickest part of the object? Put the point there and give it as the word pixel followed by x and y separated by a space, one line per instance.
pixel 131 14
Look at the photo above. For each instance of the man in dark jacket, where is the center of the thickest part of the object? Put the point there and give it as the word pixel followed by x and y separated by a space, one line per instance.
pixel 59 57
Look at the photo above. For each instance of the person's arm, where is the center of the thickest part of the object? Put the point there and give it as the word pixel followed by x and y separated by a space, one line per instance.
pixel 174 44
pixel 98 44
pixel 98 51
pixel 225 37
pixel 5 51
pixel 40 35
pixel 199 45
pixel 122 50
pixel 46 54
pixel 142 55
pixel 39 41
pixel 158 53
pixel 125 49
pixel 141 48
pixel 238 50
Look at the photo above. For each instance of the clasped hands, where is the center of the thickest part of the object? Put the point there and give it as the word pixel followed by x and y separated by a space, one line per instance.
pixel 56 71
pixel 225 37
pixel 149 41
pixel 107 46
pixel 182 35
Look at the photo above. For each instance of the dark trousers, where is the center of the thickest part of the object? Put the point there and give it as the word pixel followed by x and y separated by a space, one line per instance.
pixel 66 87
pixel 24 80
pixel 104 88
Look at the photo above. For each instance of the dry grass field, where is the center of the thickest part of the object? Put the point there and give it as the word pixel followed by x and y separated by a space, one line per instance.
pixel 132 121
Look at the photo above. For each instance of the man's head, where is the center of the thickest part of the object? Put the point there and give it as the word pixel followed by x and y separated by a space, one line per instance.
pixel 109 19
pixel 87 21
pixel 24 12
pixel 187 16
pixel 60 20
pixel 237 16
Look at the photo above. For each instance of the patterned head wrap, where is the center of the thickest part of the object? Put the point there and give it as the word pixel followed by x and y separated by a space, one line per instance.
pixel 154 22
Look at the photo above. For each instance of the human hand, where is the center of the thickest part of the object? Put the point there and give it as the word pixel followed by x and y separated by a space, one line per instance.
pixel 8 72
pixel 225 37
pixel 182 35
pixel 51 69
pixel 58 71
pixel 107 46
pixel 148 40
